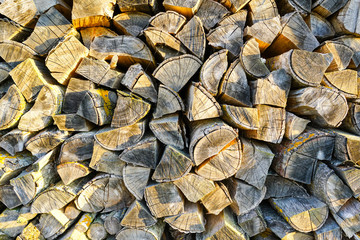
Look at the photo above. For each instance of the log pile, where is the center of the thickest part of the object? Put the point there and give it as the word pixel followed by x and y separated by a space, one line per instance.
pixel 173 119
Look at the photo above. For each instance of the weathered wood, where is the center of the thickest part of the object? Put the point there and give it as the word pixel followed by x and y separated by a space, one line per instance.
pixel 217 199
pixel 103 160
pixel 12 31
pixel 71 171
pixel 71 212
pixel 31 231
pixel 128 49
pixel 348 217
pixel 45 141
pixel 229 36
pixel 61 62
pixel 325 186
pixel 305 102
pixel 131 23
pixel 341 53
pixel 177 235
pixel 346 81
pixel 188 8
pixel 319 26
pixel 152 233
pixel 92 14
pixel 77 148
pixel 11 222
pixel 352 121
pixel 350 176
pixel 295 34
pixel 330 230
pixel 163 205
pixel 85 221
pixel 54 224
pixel 97 230
pixel 168 102
pixel 14 141
pixel 354 44
pixel 241 117
pixel 74 234
pixel 266 235
pixel 251 60
pixel 238 18
pixel 222 226
pixel 234 88
pixel 346 19
pixel 4 76
pixel 89 34
pixel 104 193
pixel 326 8
pixel 72 122
pixel 138 5
pixel 297 159
pixel 253 222
pixel 137 81
pixel 262 10
pixel 294 125
pixel 272 90
pixel 170 130
pixel 210 13
pixel 138 216
pixel 346 147
pixel 301 6
pixel 288 188
pixel 13 53
pixel 112 221
pixel 135 179
pixel 8 197
pixel 169 21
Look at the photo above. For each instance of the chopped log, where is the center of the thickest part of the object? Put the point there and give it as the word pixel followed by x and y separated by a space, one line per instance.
pixel 60 195
pixel 352 122
pixel 163 44
pixel 77 148
pixel 131 23
pixel 167 71
pixel 210 13
pixel 61 62
pixel 288 188
pixel 99 72
pixel 251 60
pixel 71 212
pixel 74 234
pixel 92 14
pixel 297 159
pixel 190 221
pixel 89 34
pixel 319 26
pixel 300 6
pixel 11 222
pixel 350 176
pixel 330 230
pixel 213 70
pixel 192 35
pixel 262 10
pixel 54 224
pixel 152 233
pixel 50 29
pixel 170 130
pixel 135 179
pixel 325 187
pixel 14 141
pixel 346 147
pixel 112 221
pixel 294 126
pixel 354 44
pixel 45 141
pixel 84 222
pixel 72 122
pixel 103 160
pixel 5 85
pixel 268 235
pixel 164 205
pixel 326 7
pixel 169 21
pixel 11 166
pixel 168 102
pixel 137 81
pixel 145 153
pixel 238 18
pixel 234 5
pixel 345 20
pixel 241 117
pixel 31 231
pixel 97 230
pixel 348 217
pixel 306 68
pixel 173 165
pixel 8 197
pixel 12 31
pixel 217 200
pixel 177 235
pixel 104 193
pixel 129 109
pixel 271 124
pixel 305 102
pixel 147 6
pixel 35 179
pixel 346 81
pixel 188 8
pixel 222 226
pixel 295 34
pixel 341 53
pixel 200 104
pixel 234 88
pixel 264 32
pixel 138 216
pixel 4 75
pixel 229 36
pixel 13 53
pixel 128 49
pixel 272 90
pixel 255 164
pixel 70 171
pixel 253 222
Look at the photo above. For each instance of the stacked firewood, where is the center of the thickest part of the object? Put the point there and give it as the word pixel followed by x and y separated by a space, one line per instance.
pixel 180 119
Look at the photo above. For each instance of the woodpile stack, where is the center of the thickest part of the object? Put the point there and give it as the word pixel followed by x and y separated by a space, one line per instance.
pixel 174 119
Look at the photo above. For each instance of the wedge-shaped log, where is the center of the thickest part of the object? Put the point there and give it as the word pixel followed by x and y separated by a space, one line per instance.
pixel 31 230
pixel 354 44
pixel 72 122
pixel 164 44
pixel 307 102
pixel 13 31
pixel 89 34
pixel 342 54
pixel 251 60
pixel 12 222
pixel 297 159
pixel 210 13
pixel 103 160
pixel 138 216
pixel 262 10
pixel 346 81
pixel 238 18
pixel 217 200
pixel 288 187
pixel 30 76
pixel 164 205
pixel 200 104
pixel 345 20
pixel 77 148
pixel 169 21
pixel 319 26
pixel 14 141
pixel 151 233
pixel 135 179
pixel 330 230
pixel 129 109
pixel 127 49
pixel 75 92
pixel 112 221
pixel 45 141
pixel 241 117
pixel 145 153
pixel 348 217
pixel 168 102
pixel 13 53
pixel 234 88
pixel 222 226
pixel 92 14
pixel 272 90
pixel 110 192
pixel 71 171
pixel 170 130
pixel 294 125
pixel 139 82
pixel 138 5
pixel 99 72
pixel 253 222
pixel 4 74
pixel 228 37
pixel 326 8
pixel 173 165
pixel 8 197
pixel 352 121
pixel 350 176
pixel 167 71
pixel 188 8
pixel 131 23
pixel 301 6
pixel 346 147
pixel 325 186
